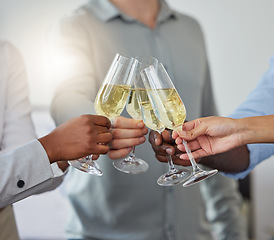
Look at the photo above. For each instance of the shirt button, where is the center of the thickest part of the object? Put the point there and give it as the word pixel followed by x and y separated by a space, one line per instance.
pixel 20 183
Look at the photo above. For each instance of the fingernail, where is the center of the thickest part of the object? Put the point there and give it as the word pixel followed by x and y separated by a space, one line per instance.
pixel 140 124
pixel 183 156
pixel 169 151
pixel 129 149
pixel 157 141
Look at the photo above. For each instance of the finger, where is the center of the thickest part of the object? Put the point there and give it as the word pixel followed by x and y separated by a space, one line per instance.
pixel 179 140
pixel 182 162
pixel 100 149
pixel 164 158
pixel 101 129
pixel 120 153
pixel 196 154
pixel 193 146
pixel 155 138
pixel 175 134
pixel 104 138
pixel 129 123
pixel 161 158
pixel 128 133
pixel 177 151
pixel 197 131
pixel 165 149
pixel 95 156
pixel 125 143
pixel 166 134
pixel 101 121
pixel 187 126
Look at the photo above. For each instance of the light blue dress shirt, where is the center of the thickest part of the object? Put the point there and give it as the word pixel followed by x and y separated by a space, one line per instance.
pixel 259 102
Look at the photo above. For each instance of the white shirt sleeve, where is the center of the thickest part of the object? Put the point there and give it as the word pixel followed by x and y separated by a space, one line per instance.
pixel 24 171
pixel 16 129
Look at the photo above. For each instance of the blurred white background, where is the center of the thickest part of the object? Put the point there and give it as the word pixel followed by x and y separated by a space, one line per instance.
pixel 240 40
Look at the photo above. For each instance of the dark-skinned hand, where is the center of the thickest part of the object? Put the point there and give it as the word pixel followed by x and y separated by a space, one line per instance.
pixel 163 144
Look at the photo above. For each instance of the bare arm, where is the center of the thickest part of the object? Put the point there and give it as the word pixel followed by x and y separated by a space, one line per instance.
pixel 257 129
pixel 213 135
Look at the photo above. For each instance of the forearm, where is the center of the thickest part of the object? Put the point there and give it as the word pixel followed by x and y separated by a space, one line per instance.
pixel 256 129
pixel 233 161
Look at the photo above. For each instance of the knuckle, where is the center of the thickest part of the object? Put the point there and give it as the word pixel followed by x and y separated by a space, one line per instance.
pixel 115 133
pixel 117 122
pixel 85 117
pixel 109 137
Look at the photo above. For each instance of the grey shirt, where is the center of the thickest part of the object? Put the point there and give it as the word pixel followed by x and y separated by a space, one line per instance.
pixel 118 206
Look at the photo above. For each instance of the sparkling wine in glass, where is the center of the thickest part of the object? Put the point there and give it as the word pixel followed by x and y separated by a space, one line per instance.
pixel 171 111
pixel 150 118
pixel 132 164
pixel 110 101
pixel 113 94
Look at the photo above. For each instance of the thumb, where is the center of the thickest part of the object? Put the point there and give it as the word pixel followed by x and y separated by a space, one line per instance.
pixel 193 133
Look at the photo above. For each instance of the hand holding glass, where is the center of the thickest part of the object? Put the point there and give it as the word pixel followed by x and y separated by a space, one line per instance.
pixel 171 112
pixel 132 164
pixel 113 94
pixel 146 89
pixel 110 101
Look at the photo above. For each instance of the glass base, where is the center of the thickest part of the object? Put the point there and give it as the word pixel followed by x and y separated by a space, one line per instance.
pixel 199 176
pixel 86 165
pixel 131 165
pixel 171 178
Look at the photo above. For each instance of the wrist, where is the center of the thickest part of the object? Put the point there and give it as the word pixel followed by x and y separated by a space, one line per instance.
pixel 48 145
pixel 247 130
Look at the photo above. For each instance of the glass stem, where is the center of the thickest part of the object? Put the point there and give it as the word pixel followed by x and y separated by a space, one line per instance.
pixel 195 167
pixel 172 169
pixel 88 158
pixel 131 156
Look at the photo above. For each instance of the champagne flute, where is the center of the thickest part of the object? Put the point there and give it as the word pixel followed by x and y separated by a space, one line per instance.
pixel 110 101
pixel 113 93
pixel 132 164
pixel 171 111
pixel 198 174
pixel 173 176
